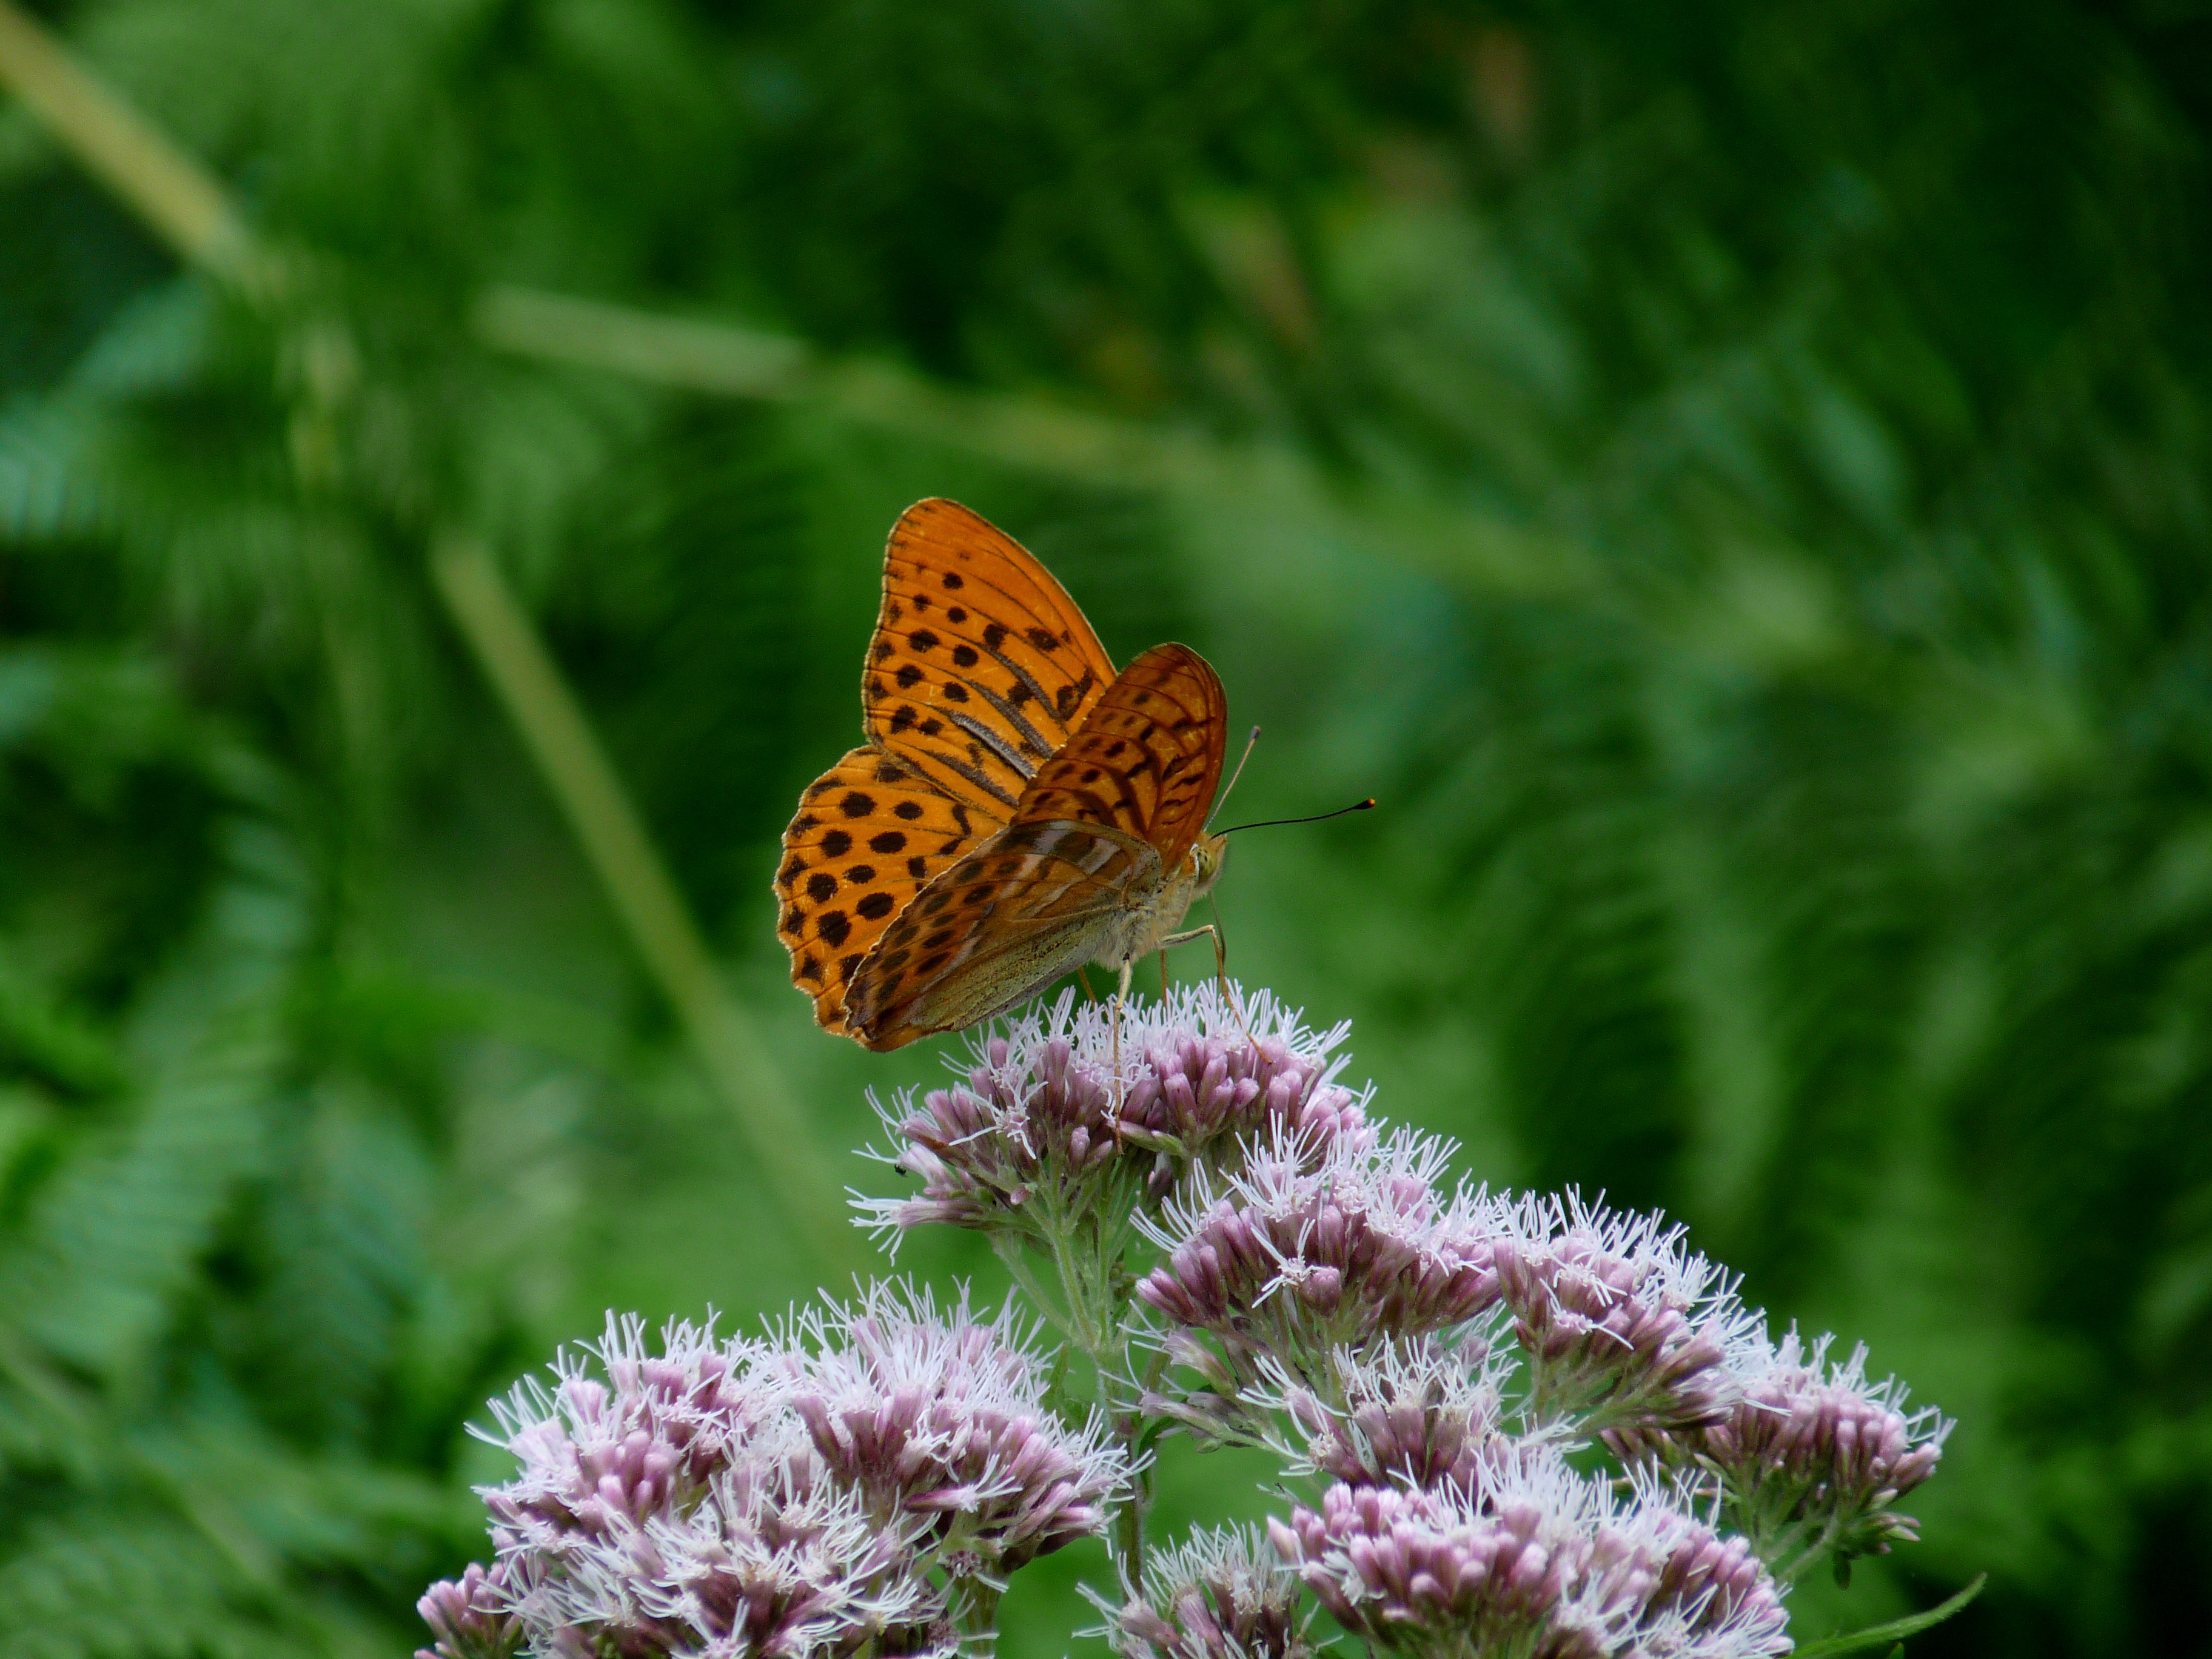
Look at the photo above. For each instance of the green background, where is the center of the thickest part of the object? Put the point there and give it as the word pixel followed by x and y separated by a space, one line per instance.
pixel 1734 481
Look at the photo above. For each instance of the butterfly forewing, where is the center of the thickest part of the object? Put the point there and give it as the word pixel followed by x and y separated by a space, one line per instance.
pixel 1017 808
pixel 1145 760
pixel 981 666
pixel 870 834
pixel 1010 917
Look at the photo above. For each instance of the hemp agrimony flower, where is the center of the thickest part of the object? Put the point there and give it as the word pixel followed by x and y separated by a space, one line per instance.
pixel 1309 1249
pixel 1520 1427
pixel 1425 1414
pixel 1623 1325
pixel 1532 1561
pixel 1040 1127
pixel 1219 1594
pixel 1814 1454
pixel 942 1419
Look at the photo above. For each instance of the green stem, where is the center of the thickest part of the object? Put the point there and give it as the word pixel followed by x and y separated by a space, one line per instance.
pixel 583 781
pixel 189 208
pixel 1008 1249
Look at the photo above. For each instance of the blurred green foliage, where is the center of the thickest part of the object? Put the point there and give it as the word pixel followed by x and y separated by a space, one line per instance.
pixel 1759 560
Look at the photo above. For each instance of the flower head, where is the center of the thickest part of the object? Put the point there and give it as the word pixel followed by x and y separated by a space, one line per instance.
pixel 1422 1414
pixel 1220 1595
pixel 1814 1455
pixel 469 1617
pixel 812 1494
pixel 1309 1249
pixel 643 1436
pixel 1041 1125
pixel 1622 1325
pixel 780 1558
pixel 1532 1560
pixel 942 1419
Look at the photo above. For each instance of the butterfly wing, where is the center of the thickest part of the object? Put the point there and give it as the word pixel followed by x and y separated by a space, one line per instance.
pixel 870 834
pixel 1146 759
pixel 982 667
pixel 1031 904
pixel 1093 836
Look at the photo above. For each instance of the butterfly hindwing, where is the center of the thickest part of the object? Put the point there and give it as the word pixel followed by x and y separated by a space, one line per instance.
pixel 1145 760
pixel 1028 905
pixel 980 667
pixel 870 834
pixel 1018 809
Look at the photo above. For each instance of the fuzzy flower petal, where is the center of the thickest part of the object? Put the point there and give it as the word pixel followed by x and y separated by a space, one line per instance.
pixel 1306 1250
pixel 1534 1558
pixel 469 1617
pixel 1220 1595
pixel 1622 1324
pixel 942 1417
pixel 1814 1455
pixel 1040 1124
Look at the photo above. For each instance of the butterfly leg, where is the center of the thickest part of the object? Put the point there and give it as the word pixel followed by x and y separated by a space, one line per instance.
pixel 1164 975
pixel 1120 997
pixel 1220 967
pixel 1089 995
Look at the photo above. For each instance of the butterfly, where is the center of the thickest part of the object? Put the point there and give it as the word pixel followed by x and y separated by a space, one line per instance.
pixel 1019 808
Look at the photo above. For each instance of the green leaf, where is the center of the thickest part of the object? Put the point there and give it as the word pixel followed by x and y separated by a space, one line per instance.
pixel 1874 1635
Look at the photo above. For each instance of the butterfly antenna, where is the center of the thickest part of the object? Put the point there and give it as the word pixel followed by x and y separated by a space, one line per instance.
pixel 1318 818
pixel 1222 799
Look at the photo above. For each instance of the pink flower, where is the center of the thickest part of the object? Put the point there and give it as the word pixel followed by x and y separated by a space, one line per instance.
pixel 1532 1560
pixel 1309 1249
pixel 1220 1595
pixel 1622 1325
pixel 1040 1127
pixel 1813 1455
pixel 942 1419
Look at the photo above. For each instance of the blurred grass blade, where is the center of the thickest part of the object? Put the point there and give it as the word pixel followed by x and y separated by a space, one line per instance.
pixel 733 363
pixel 583 781
pixel 1876 1636
pixel 119 147
pixel 191 211
pixel 1482 551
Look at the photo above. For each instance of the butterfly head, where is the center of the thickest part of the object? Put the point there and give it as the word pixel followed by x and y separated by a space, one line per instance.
pixel 1206 855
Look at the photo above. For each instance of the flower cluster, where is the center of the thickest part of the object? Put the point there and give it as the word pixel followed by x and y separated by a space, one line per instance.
pixel 1813 1455
pixel 1221 1594
pixel 1306 1249
pixel 813 1495
pixel 469 1617
pixel 1524 1427
pixel 944 1420
pixel 1623 1327
pixel 1425 1413
pixel 1041 1125
pixel 1534 1559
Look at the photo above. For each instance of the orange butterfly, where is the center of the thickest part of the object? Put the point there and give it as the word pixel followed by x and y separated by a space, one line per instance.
pixel 1019 809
